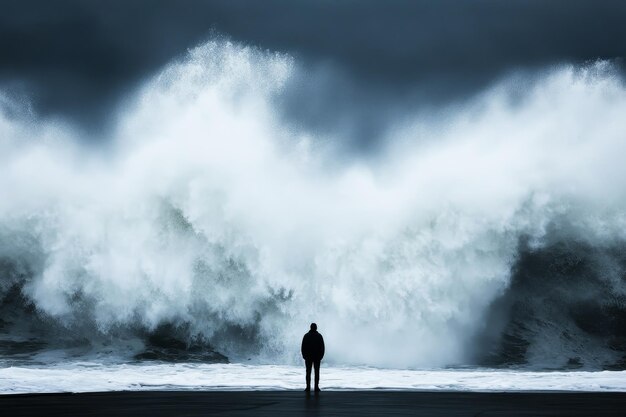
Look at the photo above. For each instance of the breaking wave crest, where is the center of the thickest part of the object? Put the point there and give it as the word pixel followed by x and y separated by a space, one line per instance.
pixel 491 235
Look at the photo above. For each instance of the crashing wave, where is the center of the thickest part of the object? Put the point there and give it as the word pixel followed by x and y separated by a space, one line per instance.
pixel 491 236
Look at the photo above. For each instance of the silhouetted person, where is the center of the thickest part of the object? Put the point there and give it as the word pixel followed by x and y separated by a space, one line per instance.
pixel 312 352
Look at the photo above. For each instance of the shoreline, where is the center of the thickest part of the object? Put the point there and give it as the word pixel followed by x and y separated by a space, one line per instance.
pixel 101 377
pixel 336 403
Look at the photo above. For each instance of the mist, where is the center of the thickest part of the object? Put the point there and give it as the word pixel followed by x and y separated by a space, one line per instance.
pixel 364 65
pixel 207 210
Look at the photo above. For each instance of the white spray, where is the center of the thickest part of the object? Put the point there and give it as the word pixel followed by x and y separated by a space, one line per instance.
pixel 209 210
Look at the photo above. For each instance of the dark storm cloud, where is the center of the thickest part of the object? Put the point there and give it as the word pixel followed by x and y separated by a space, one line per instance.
pixel 77 57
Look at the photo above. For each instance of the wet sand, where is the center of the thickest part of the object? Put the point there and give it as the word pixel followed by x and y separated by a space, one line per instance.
pixel 331 403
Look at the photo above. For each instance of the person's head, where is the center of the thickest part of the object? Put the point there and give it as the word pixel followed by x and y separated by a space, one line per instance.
pixel 314 327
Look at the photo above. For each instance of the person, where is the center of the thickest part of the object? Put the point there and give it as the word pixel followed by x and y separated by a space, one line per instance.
pixel 312 351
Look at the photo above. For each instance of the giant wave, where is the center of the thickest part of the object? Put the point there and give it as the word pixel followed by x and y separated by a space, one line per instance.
pixel 491 235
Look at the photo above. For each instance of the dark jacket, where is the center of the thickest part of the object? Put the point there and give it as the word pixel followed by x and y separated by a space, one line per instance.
pixel 312 346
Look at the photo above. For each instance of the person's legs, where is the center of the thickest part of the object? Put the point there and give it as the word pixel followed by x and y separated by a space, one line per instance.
pixel 308 365
pixel 317 375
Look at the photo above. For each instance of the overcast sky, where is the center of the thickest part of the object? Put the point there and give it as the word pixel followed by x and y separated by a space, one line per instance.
pixel 77 58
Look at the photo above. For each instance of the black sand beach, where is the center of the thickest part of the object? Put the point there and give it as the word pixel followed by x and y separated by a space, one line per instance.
pixel 337 403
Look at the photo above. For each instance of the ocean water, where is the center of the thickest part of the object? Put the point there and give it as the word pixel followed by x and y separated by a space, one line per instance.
pixel 206 228
pixel 91 377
